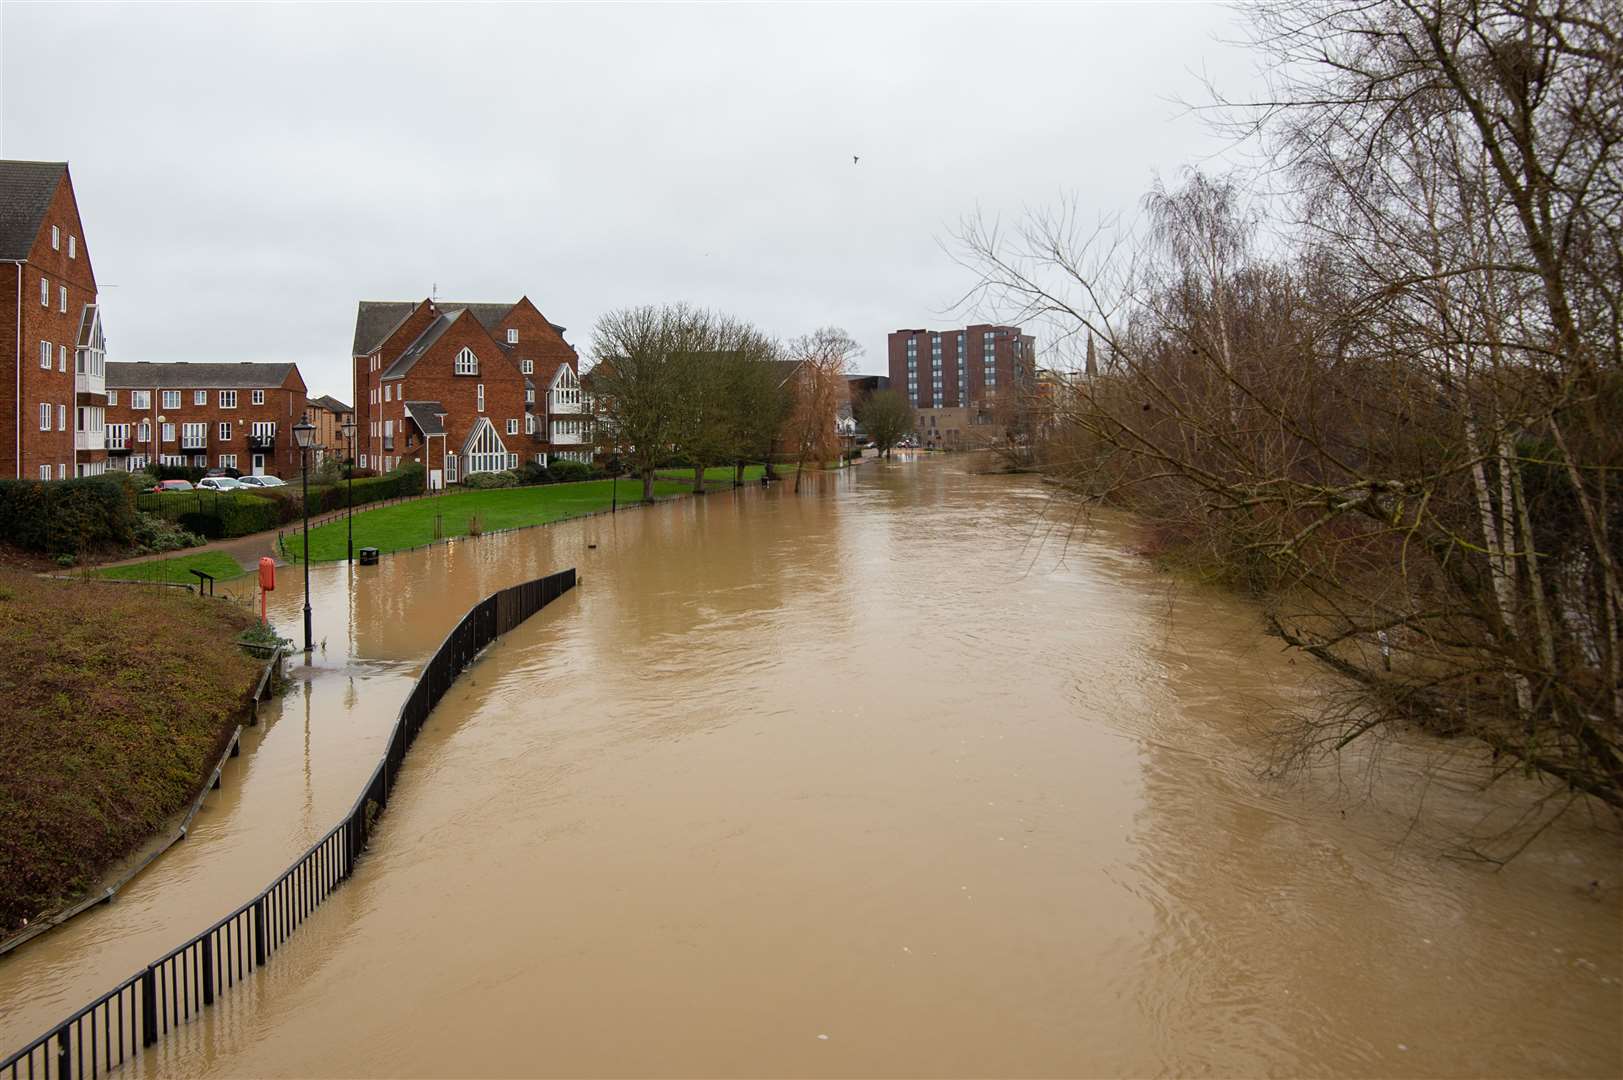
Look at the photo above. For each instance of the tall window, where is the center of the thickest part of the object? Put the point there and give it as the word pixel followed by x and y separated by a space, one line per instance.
pixel 526 366
pixel 44 472
pixel 45 355
pixel 467 363
pixel 61 418
pixel 487 453
pixel 73 247
pixel 386 390
pixel 512 427
pixel 140 399
pixel 200 397
pixel 62 358
pixel 481 397
pixel 228 399
pixel 112 397
pixel 56 238
pixel 44 292
pixel 145 432
pixel 194 436
pixel 62 294
pixel 259 397
pixel 44 416
pixel 225 431
pixel 171 399
pixel 512 337
pixel 168 433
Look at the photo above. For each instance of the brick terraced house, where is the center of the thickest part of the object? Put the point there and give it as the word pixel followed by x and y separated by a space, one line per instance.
pixel 328 414
pixel 234 416
pixel 51 399
pixel 465 388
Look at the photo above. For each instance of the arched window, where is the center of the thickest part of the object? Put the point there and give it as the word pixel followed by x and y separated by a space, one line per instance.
pixel 484 451
pixel 467 363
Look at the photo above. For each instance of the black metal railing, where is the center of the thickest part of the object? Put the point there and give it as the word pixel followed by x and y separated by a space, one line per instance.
pixel 164 995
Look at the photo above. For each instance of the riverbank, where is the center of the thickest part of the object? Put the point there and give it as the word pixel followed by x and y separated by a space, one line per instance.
pixel 118 700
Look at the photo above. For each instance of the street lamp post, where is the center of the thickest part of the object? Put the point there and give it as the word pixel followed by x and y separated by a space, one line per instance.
pixel 304 434
pixel 348 428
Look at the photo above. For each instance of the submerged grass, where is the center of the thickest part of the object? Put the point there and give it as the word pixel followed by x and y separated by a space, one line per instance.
pixel 174 568
pixel 115 701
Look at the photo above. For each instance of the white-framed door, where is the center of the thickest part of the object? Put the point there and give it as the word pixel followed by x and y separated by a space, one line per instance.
pixel 259 464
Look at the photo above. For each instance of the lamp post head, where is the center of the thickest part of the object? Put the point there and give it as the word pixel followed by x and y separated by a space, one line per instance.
pixel 304 432
pixel 347 427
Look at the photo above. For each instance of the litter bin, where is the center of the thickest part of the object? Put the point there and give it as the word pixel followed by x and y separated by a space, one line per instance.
pixel 369 556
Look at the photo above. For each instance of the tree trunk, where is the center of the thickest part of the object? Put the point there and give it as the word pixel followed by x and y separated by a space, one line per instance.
pixel 738 474
pixel 648 485
pixel 698 479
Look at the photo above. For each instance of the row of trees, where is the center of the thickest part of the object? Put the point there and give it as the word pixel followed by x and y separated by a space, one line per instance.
pixel 1399 417
pixel 679 383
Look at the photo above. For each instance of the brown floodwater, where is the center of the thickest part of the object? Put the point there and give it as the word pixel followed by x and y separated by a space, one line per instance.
pixel 898 776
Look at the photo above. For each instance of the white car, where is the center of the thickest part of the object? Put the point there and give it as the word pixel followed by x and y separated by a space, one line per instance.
pixel 218 483
pixel 262 481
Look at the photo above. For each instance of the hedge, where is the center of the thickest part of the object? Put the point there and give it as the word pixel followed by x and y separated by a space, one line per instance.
pixel 66 517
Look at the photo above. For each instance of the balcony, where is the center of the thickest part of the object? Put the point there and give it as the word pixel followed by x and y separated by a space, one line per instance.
pixel 90 384
pixel 118 446
pixel 259 441
pixel 563 408
pixel 194 443
pixel 90 440
pixel 560 438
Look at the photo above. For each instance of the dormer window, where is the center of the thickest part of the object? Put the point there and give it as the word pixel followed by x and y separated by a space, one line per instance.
pixel 56 238
pixel 467 363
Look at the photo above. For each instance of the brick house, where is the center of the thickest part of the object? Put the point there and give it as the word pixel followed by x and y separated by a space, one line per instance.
pixel 464 387
pixel 235 416
pixel 51 401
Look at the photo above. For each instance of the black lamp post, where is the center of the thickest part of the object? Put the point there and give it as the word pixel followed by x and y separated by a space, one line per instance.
pixel 304 433
pixel 348 428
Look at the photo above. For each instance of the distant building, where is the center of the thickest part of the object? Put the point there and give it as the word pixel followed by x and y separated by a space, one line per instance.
pixel 52 403
pixel 232 416
pixel 465 387
pixel 328 415
pixel 970 368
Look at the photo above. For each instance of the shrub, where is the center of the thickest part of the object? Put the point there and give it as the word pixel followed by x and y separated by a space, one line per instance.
pixel 176 472
pixel 330 471
pixel 66 516
pixel 483 481
pixel 154 534
pixel 532 472
pixel 566 471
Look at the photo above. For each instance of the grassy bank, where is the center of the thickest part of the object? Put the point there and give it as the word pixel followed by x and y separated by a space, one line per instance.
pixel 412 524
pixel 174 568
pixel 117 699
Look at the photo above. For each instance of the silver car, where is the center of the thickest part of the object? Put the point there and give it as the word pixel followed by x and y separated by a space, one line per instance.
pixel 262 481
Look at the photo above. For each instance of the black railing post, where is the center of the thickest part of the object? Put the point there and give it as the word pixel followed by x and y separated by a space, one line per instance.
pixel 259 932
pixel 208 968
pixel 64 1052
pixel 149 1006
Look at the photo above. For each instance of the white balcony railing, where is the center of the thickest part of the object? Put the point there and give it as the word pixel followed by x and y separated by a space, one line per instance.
pixel 89 440
pixel 562 408
pixel 560 438
pixel 89 384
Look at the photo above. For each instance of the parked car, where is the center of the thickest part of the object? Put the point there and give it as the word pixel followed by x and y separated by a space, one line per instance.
pixel 172 485
pixel 263 481
pixel 220 470
pixel 218 483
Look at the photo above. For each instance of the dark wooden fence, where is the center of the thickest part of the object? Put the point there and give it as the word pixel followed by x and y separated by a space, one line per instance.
pixel 166 993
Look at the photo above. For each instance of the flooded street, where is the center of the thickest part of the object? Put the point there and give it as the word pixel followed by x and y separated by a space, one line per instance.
pixel 888 778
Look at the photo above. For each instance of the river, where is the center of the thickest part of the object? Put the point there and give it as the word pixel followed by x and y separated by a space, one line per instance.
pixel 900 776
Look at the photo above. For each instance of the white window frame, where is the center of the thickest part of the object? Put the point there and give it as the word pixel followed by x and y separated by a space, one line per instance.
pixel 467 363
pixel 200 397
pixel 73 246
pixel 228 399
pixel 194 431
pixel 512 336
pixel 112 397
pixel 44 472
pixel 167 433
pixel 512 427
pixel 45 355
pixel 171 399
pixel 44 292
pixel 481 397
pixel 386 392
pixel 140 400
pixel 61 418
pixel 527 366
pixel 224 431
pixel 56 238
pixel 62 358
pixel 228 461
pixel 258 397
pixel 45 416
pixel 62 296
pixel 144 433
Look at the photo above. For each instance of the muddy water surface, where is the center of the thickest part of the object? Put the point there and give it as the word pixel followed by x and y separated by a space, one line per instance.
pixel 883 779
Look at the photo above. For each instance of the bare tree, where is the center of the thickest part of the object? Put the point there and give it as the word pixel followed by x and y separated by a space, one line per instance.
pixel 822 359
pixel 887 417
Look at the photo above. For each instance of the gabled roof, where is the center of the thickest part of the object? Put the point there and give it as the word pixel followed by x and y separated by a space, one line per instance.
pixel 375 320
pixel 26 190
pixel 414 352
pixel 180 376
pixel 426 415
pixel 331 404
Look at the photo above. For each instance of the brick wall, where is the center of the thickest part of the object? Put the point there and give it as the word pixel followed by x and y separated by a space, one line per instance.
pixel 282 406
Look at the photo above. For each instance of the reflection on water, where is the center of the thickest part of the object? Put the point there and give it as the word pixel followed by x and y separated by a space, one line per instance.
pixel 885 779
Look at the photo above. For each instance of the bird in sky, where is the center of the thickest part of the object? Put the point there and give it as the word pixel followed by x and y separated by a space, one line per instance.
pixel 855 159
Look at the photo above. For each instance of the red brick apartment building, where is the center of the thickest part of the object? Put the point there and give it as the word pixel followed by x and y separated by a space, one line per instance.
pixel 235 416
pixel 968 368
pixel 465 387
pixel 51 398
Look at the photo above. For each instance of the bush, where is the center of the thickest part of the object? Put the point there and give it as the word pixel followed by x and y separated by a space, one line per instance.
pixel 533 472
pixel 176 472
pixel 57 517
pixel 483 481
pixel 410 479
pixel 330 471
pixel 566 471
pixel 155 534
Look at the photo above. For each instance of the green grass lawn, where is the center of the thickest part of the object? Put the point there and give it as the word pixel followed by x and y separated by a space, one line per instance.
pixel 176 566
pixel 411 524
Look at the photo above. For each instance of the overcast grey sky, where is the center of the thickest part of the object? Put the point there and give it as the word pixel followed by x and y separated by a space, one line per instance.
pixel 247 173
